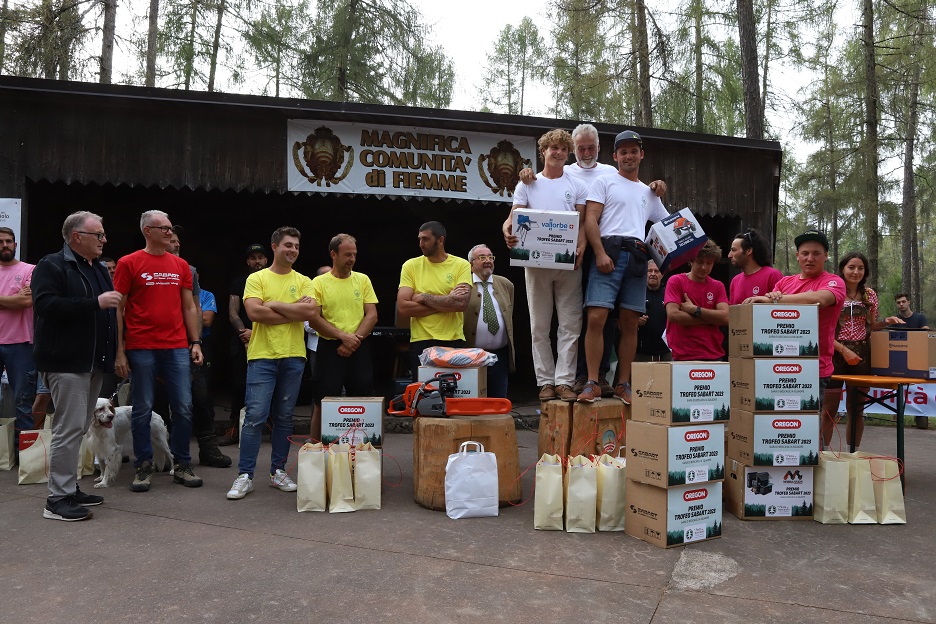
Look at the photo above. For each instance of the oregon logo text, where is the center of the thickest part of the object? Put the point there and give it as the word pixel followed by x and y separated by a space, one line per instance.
pixel 440 373
pixel 694 495
pixel 351 409
pixel 784 314
pixel 781 369
pixel 787 424
pixel 697 436
pixel 704 373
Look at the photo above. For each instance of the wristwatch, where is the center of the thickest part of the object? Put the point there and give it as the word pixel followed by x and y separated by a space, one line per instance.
pixel 698 312
pixel 192 343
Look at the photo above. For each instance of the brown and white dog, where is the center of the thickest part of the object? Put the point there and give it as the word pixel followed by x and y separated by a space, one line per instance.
pixel 111 439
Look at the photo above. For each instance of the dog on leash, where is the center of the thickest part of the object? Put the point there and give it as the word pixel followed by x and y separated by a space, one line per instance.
pixel 110 435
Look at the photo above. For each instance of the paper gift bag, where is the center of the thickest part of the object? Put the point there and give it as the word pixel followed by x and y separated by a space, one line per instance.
pixel 365 468
pixel 548 493
pixel 610 479
pixel 338 479
pixel 34 456
pixel 861 508
pixel 581 495
pixel 85 456
pixel 830 489
pixel 7 438
pixel 310 478
pixel 888 492
pixel 471 483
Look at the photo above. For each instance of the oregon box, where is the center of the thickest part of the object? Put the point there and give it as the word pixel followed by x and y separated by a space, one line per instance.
pixel 904 353
pixel 668 456
pixel 769 493
pixel 777 439
pixel 680 393
pixel 775 384
pixel 352 420
pixel 675 240
pixel 679 515
pixel 472 382
pixel 772 330
pixel 547 239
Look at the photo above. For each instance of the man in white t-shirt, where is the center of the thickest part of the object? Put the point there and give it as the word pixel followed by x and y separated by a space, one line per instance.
pixel 548 289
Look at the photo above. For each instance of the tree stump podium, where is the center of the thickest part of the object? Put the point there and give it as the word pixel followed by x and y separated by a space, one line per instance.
pixel 434 439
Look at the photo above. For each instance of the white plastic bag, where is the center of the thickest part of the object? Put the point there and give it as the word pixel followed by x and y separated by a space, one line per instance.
pixel 471 483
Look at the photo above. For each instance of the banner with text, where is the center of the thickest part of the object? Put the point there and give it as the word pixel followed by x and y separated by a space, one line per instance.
pixel 920 401
pixel 337 157
pixel 11 210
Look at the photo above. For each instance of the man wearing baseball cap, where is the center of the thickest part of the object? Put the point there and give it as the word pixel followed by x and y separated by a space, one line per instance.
pixel 814 285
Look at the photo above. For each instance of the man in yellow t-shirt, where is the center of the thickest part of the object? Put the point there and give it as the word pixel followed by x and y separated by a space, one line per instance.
pixel 278 300
pixel 345 312
pixel 434 293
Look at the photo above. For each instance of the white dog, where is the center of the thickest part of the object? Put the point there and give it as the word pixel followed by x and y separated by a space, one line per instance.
pixel 110 435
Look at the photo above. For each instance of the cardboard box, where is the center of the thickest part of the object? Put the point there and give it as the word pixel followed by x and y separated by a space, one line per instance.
pixel 769 493
pixel 775 384
pixel 673 517
pixel 680 393
pixel 675 240
pixel 547 238
pixel 472 382
pixel 670 456
pixel 555 428
pixel 777 439
pixel 904 353
pixel 352 420
pixel 598 427
pixel 772 330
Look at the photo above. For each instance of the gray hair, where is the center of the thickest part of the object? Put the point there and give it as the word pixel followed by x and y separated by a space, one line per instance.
pixel 471 253
pixel 75 221
pixel 147 217
pixel 583 130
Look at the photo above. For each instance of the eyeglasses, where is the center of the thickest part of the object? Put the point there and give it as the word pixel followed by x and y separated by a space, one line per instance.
pixel 485 258
pixel 100 235
pixel 165 229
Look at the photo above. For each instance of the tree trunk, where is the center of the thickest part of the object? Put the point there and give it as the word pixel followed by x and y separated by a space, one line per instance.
pixel 107 45
pixel 643 51
pixel 215 44
pixel 3 29
pixel 908 201
pixel 189 50
pixel 871 140
pixel 634 91
pixel 747 33
pixel 151 43
pixel 765 64
pixel 697 50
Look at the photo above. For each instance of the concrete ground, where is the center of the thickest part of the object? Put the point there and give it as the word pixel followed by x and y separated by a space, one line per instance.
pixel 176 554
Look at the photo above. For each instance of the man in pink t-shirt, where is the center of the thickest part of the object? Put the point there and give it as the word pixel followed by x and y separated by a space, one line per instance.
pixel 16 328
pixel 750 254
pixel 696 305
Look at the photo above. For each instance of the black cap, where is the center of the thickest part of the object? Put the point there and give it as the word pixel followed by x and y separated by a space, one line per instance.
pixel 812 235
pixel 255 248
pixel 627 135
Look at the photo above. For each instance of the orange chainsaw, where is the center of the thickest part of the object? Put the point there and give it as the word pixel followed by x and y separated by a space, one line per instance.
pixel 437 398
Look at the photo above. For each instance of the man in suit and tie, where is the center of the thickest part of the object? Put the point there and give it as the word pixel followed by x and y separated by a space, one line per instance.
pixel 489 317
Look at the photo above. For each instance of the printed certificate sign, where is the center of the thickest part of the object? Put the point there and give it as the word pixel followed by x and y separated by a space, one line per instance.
pixel 11 217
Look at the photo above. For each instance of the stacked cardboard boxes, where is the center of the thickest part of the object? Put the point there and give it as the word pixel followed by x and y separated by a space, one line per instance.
pixel 676 451
pixel 773 436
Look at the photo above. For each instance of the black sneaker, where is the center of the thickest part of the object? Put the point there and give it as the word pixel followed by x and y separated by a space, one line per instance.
pixel 183 473
pixel 86 500
pixel 141 482
pixel 65 509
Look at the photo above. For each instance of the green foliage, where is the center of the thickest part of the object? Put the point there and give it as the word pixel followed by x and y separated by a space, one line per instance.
pixel 676 477
pixel 809 459
pixel 755 511
pixel 517 60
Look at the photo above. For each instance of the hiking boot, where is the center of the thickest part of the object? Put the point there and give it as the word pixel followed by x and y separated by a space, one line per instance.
pixel 182 473
pixel 242 486
pixel 86 500
pixel 623 391
pixel 547 392
pixel 579 384
pixel 281 481
pixel 209 454
pixel 229 438
pixel 65 509
pixel 607 390
pixel 141 482
pixel 590 394
pixel 565 393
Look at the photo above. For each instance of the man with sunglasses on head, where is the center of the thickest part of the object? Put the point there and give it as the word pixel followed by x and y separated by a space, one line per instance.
pixel 158 334
pixel 750 254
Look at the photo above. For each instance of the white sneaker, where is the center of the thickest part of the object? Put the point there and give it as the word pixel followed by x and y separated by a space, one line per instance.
pixel 281 480
pixel 242 486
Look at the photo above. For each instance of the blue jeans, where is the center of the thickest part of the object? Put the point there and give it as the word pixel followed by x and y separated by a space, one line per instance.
pixel 18 361
pixel 272 390
pixel 173 365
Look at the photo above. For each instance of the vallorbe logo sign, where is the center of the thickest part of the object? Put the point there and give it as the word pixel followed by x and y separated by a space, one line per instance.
pixel 694 495
pixel 702 373
pixel 787 369
pixel 784 314
pixel 788 423
pixel 351 409
pixel 697 436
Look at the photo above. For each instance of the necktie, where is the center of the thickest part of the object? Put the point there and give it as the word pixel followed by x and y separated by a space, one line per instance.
pixel 487 307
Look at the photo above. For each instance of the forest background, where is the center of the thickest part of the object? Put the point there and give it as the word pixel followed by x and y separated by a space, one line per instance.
pixel 846 87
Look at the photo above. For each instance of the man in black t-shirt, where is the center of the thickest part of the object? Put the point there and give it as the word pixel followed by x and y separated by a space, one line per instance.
pixel 650 326
pixel 911 319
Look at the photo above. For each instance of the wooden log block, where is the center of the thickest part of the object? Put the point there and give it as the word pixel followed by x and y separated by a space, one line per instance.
pixel 555 428
pixel 599 427
pixel 434 439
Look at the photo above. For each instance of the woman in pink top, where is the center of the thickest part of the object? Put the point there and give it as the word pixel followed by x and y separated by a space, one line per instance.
pixel 859 317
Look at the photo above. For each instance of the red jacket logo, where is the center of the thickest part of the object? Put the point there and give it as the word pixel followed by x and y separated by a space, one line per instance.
pixel 787 424
pixel 457 375
pixel 703 373
pixel 694 495
pixel 787 369
pixel 697 436
pixel 351 409
pixel 784 314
